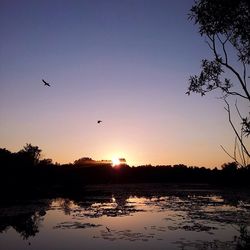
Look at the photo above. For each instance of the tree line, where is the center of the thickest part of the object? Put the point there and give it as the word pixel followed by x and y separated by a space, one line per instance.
pixel 25 173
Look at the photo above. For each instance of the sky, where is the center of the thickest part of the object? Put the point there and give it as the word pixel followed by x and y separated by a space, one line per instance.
pixel 126 63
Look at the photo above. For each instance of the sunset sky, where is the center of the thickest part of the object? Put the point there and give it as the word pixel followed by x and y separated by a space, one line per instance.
pixel 125 62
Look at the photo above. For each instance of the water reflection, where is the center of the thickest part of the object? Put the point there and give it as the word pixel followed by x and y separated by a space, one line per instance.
pixel 150 216
pixel 24 217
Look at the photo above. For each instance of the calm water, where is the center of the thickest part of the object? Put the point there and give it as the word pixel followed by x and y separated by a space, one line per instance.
pixel 128 217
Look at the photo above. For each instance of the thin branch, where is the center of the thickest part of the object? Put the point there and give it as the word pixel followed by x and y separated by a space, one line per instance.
pixel 239 78
pixel 210 38
pixel 229 67
pixel 234 93
pixel 235 131
pixel 225 33
pixel 230 155
pixel 242 151
pixel 235 147
pixel 244 74
pixel 223 47
pixel 209 45
pixel 238 111
pixel 244 69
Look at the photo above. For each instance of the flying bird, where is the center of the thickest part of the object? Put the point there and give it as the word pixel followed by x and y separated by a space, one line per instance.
pixel 46 83
pixel 99 121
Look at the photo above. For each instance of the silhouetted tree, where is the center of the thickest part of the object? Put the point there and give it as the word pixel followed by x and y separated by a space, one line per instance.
pixel 45 162
pixel 5 157
pixel 226 25
pixel 230 167
pixel 84 161
pixel 30 154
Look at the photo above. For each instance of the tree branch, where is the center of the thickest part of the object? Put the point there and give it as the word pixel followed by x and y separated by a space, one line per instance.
pixel 234 93
pixel 229 67
pixel 235 131
pixel 230 155
pixel 242 151
pixel 223 47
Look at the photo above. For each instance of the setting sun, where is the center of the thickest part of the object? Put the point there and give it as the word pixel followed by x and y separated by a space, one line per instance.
pixel 115 161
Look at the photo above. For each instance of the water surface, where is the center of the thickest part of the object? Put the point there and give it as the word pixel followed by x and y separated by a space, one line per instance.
pixel 128 217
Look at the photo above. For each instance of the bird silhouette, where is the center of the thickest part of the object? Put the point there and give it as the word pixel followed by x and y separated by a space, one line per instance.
pixel 108 229
pixel 99 121
pixel 46 83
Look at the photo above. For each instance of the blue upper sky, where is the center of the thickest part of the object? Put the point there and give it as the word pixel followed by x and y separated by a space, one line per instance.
pixel 124 62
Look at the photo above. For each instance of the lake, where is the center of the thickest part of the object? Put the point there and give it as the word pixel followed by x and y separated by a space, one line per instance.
pixel 134 216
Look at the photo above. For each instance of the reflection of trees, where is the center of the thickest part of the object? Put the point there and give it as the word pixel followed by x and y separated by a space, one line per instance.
pixel 99 203
pixel 25 220
pixel 27 225
pixel 121 199
pixel 243 241
pixel 112 200
pixel 66 205
pixel 190 195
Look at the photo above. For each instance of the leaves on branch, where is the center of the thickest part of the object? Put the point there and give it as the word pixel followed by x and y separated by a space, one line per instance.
pixel 246 125
pixel 229 18
pixel 225 23
pixel 209 79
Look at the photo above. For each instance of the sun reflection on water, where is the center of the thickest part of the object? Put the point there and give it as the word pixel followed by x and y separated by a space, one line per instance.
pixel 119 217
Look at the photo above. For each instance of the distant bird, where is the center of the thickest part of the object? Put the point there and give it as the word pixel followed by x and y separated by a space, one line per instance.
pixel 46 83
pixel 99 121
pixel 108 229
